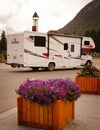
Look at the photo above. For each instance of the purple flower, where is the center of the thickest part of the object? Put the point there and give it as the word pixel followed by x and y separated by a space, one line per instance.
pixel 48 92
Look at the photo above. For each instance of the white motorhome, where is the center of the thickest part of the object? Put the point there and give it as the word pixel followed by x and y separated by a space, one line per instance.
pixel 48 50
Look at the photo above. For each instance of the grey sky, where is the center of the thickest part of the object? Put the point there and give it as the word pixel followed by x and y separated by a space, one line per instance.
pixel 53 14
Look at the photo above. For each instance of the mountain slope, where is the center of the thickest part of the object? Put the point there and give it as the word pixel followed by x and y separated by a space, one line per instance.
pixel 88 18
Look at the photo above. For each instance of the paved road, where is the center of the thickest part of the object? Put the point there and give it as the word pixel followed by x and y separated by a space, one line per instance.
pixel 11 78
pixel 96 63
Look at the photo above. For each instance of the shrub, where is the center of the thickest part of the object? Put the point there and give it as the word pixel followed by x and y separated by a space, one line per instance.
pixel 89 71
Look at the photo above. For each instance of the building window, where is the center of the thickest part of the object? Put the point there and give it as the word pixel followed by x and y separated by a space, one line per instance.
pixel 86 42
pixel 72 48
pixel 65 46
pixel 40 41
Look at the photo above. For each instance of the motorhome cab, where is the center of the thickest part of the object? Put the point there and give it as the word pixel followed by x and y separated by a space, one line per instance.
pixel 41 50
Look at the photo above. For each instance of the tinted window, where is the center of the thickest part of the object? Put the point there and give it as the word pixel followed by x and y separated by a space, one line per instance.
pixel 40 41
pixel 86 42
pixel 65 46
pixel 72 48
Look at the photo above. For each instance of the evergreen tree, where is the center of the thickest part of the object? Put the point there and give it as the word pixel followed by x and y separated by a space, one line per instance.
pixel 98 41
pixel 3 42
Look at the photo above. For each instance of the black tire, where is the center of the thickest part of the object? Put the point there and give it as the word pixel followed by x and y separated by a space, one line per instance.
pixel 88 63
pixel 13 66
pixel 51 66
pixel 35 68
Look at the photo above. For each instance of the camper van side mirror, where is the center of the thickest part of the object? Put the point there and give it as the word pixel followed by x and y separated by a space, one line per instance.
pixel 65 46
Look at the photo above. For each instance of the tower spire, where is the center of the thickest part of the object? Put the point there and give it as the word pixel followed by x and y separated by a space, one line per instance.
pixel 35 22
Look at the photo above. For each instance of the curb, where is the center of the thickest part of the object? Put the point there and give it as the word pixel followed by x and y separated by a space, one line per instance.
pixel 8 113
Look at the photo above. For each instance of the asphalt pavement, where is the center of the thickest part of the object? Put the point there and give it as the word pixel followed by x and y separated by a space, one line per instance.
pixel 87 116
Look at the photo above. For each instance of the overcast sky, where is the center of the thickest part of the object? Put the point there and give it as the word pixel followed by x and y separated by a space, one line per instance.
pixel 53 14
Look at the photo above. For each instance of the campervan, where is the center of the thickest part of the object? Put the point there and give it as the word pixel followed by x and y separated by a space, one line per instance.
pixel 48 50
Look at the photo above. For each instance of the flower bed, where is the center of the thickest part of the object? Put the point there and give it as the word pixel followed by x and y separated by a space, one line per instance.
pixel 89 79
pixel 44 100
pixel 48 92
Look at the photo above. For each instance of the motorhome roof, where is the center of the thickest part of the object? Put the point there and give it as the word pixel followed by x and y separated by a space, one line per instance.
pixel 64 35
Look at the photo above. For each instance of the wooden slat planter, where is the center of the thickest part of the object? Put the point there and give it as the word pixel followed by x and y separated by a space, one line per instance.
pixel 51 117
pixel 98 86
pixel 89 84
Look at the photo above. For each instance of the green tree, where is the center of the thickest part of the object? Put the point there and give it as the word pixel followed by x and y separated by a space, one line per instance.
pixel 98 41
pixel 3 42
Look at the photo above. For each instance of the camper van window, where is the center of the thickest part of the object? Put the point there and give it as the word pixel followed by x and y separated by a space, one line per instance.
pixel 72 48
pixel 40 41
pixel 65 46
pixel 86 42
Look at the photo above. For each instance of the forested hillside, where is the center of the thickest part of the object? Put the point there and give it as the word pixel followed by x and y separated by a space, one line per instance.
pixel 86 22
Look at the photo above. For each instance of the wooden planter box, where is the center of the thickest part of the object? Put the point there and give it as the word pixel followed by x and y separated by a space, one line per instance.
pixel 89 84
pixel 98 86
pixel 49 117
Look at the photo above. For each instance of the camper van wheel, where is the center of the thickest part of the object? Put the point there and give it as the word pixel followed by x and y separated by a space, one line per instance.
pixel 35 68
pixel 51 66
pixel 88 63
pixel 13 66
